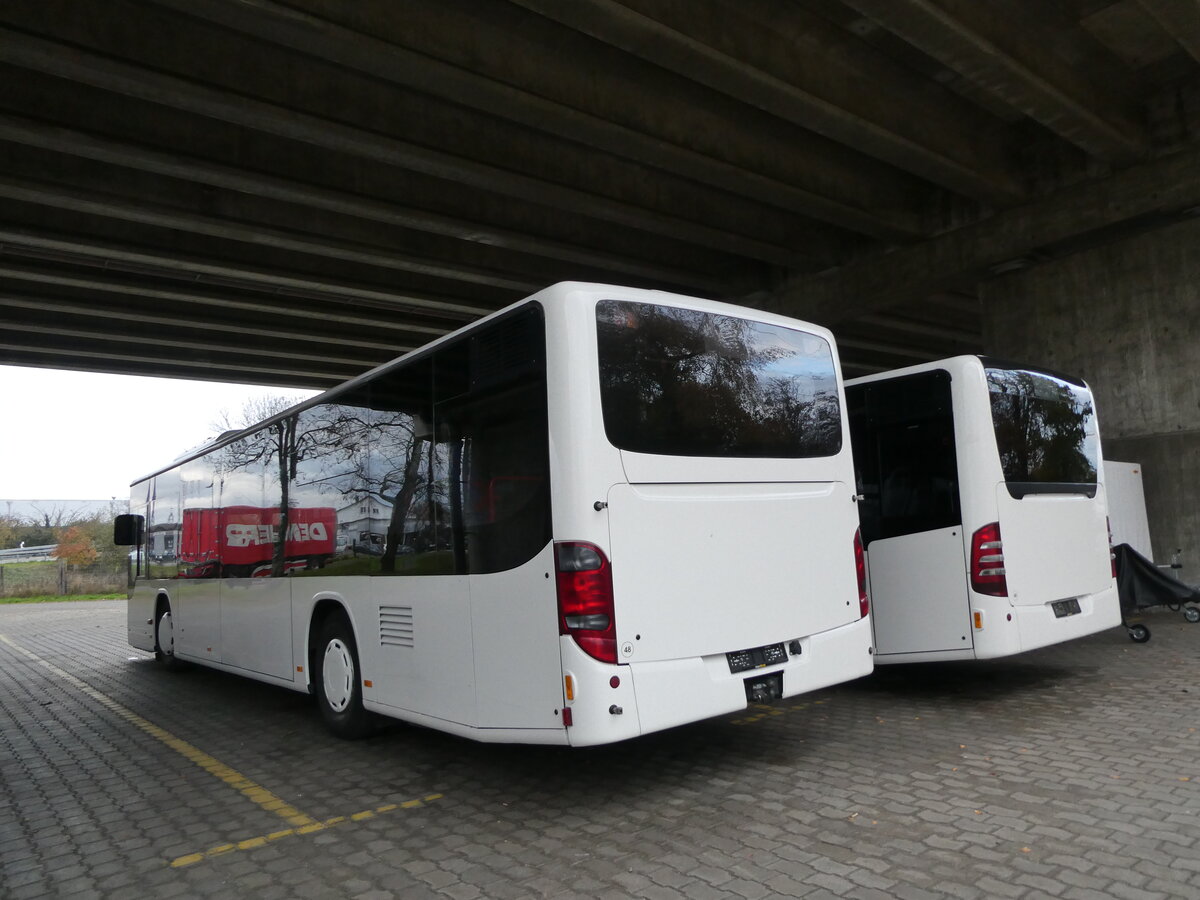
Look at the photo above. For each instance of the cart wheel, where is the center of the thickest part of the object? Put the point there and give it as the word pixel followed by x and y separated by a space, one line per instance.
pixel 1192 614
pixel 1139 634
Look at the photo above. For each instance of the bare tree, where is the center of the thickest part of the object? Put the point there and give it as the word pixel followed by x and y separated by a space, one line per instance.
pixel 57 514
pixel 277 444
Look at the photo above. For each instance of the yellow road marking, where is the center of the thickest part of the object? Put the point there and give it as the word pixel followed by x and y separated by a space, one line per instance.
pixel 263 840
pixel 301 823
pixel 254 792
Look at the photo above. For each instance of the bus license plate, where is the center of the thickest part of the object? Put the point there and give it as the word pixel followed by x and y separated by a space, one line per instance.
pixel 757 658
pixel 1065 607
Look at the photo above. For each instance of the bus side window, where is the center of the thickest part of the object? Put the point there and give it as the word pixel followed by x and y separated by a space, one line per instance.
pixel 466 472
pixel 503 482
pixel 505 473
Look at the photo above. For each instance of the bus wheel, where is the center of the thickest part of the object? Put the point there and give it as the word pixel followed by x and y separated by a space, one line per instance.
pixel 1139 634
pixel 338 680
pixel 1192 614
pixel 164 636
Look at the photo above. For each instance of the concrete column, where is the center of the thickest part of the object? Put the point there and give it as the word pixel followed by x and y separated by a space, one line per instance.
pixel 1126 317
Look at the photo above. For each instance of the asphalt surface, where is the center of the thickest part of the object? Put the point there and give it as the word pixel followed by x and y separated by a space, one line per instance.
pixel 1069 772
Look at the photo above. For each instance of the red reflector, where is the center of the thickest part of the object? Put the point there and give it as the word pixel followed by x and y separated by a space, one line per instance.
pixel 987 561
pixel 860 567
pixel 566 716
pixel 585 599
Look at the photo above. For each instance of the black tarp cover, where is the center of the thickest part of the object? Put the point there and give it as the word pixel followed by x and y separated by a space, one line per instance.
pixel 1141 583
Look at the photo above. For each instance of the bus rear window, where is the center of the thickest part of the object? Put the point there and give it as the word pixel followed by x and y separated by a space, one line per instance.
pixel 680 382
pixel 1045 430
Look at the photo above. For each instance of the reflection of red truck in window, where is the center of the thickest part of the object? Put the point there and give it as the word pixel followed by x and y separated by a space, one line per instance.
pixel 239 541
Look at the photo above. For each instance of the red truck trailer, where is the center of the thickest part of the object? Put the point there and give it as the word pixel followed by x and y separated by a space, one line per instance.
pixel 239 541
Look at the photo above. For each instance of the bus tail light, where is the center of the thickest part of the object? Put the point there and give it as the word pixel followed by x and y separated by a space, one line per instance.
pixel 585 599
pixel 1112 551
pixel 987 561
pixel 860 568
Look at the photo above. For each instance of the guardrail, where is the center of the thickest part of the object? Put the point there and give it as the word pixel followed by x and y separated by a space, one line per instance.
pixel 27 554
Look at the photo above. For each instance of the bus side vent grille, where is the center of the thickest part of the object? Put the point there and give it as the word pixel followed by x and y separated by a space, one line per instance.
pixel 396 626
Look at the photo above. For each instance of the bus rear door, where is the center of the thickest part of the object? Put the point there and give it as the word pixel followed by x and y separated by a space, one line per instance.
pixel 907 468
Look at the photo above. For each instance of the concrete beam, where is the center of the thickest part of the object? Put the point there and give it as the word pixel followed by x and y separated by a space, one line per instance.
pixel 413 70
pixel 113 206
pixel 158 364
pixel 28 132
pixel 283 309
pixel 93 336
pixel 76 64
pixel 1017 237
pixel 1181 19
pixel 892 324
pixel 887 347
pixel 853 368
pixel 28 243
pixel 994 46
pixel 963 304
pixel 68 310
pixel 820 91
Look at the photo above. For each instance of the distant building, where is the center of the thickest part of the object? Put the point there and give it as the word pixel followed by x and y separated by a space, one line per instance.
pixel 363 524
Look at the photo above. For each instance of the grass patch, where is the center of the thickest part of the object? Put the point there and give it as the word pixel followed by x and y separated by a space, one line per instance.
pixel 33 565
pixel 46 598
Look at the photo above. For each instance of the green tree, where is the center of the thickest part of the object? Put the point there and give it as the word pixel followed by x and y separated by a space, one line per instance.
pixel 8 532
pixel 99 529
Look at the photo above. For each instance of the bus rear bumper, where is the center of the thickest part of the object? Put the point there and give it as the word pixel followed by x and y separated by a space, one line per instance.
pixel 1038 626
pixel 667 693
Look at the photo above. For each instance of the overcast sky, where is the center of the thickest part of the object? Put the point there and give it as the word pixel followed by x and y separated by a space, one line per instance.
pixel 81 436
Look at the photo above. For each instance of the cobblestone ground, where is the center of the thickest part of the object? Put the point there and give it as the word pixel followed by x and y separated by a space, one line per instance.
pixel 1070 772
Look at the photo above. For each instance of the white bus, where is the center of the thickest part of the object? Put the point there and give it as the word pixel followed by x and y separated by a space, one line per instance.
pixel 604 512
pixel 983 510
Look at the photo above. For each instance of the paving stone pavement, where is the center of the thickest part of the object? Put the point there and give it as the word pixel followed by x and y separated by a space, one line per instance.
pixel 1069 772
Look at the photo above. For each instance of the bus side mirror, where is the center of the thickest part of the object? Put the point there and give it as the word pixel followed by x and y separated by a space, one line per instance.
pixel 127 530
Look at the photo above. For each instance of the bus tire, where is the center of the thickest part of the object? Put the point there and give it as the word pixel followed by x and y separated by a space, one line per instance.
pixel 164 636
pixel 338 679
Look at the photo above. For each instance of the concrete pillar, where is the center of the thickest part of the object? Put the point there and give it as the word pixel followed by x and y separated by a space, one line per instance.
pixel 1126 317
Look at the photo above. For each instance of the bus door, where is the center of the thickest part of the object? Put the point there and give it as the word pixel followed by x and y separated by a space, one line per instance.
pixel 256 624
pixel 907 470
pixel 196 609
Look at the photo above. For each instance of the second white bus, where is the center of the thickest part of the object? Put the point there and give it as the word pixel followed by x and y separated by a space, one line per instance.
pixel 597 513
pixel 983 510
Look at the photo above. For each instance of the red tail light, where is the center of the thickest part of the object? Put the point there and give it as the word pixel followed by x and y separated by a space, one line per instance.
pixel 860 566
pixel 987 561
pixel 1112 553
pixel 585 599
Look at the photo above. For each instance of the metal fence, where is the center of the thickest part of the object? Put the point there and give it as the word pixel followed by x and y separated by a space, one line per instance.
pixel 56 578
